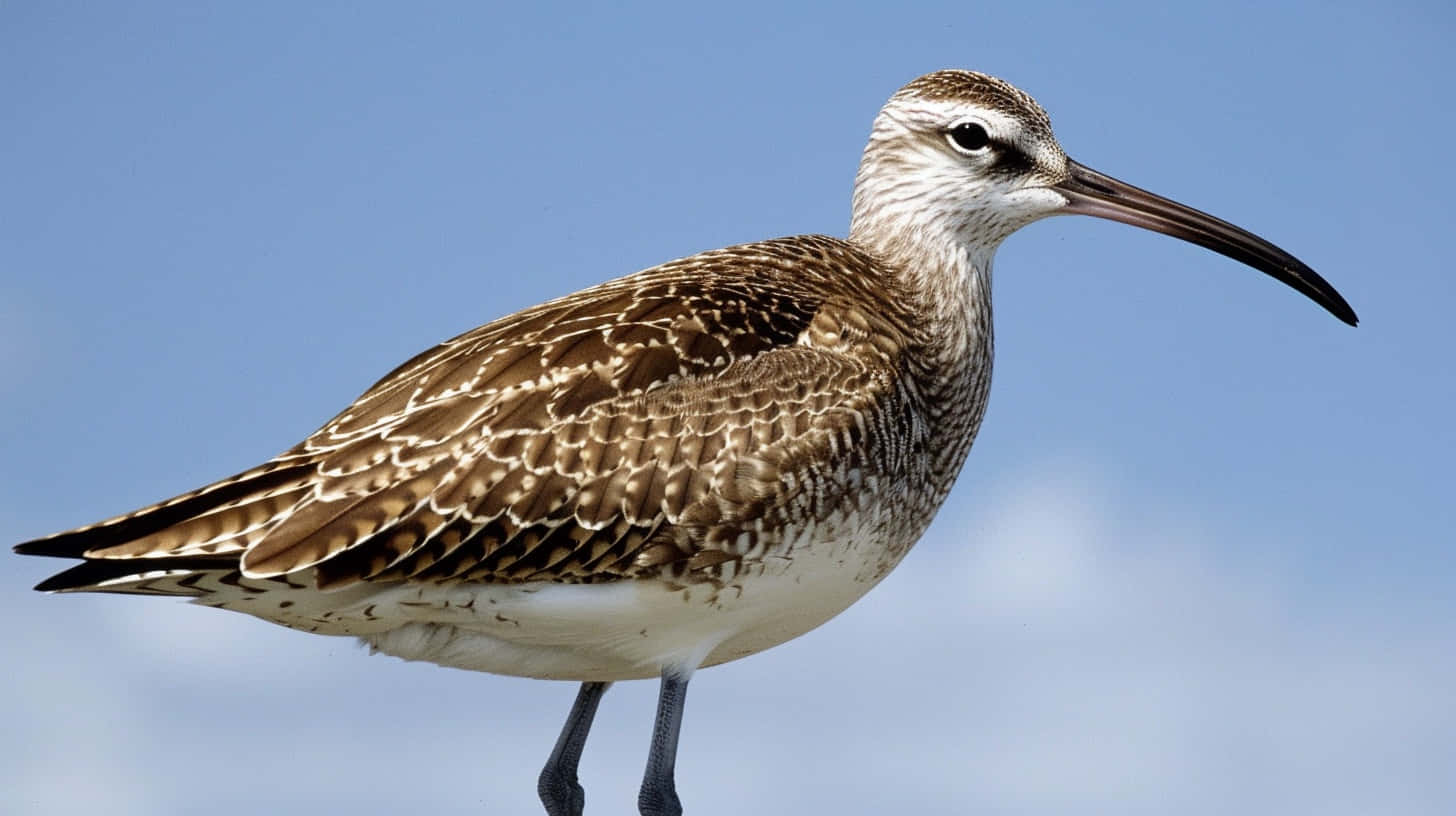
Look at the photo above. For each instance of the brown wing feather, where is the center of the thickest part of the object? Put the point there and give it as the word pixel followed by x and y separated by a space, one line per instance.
pixel 657 421
pixel 647 501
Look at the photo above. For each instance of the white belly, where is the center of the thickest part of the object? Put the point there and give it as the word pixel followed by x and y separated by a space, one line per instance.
pixel 624 629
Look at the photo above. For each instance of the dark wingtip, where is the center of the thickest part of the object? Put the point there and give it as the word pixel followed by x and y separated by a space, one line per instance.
pixel 89 575
pixel 57 546
pixel 55 583
pixel 77 577
pixel 82 540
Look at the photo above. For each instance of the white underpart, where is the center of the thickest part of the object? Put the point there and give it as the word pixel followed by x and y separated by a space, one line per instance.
pixel 622 630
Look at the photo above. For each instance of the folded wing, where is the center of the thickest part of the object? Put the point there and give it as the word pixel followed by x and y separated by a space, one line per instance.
pixel 663 421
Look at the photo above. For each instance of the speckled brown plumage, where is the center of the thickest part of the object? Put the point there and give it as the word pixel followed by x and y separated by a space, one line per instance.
pixel 668 424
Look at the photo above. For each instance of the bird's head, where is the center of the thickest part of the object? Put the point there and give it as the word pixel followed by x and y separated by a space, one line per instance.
pixel 963 160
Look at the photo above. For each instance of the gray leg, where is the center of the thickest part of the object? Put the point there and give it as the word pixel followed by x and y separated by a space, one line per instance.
pixel 658 796
pixel 560 792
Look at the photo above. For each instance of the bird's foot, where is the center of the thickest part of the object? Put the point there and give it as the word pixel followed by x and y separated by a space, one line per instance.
pixel 658 801
pixel 562 795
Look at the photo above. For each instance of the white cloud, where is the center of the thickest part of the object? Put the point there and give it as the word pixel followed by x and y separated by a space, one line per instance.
pixel 1046 655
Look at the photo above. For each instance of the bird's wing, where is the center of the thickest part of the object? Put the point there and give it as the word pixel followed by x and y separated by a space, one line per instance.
pixel 662 421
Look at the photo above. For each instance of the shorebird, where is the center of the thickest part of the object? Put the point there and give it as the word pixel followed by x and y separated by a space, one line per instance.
pixel 671 470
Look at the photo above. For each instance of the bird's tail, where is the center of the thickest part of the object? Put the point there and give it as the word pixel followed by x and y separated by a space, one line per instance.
pixel 169 547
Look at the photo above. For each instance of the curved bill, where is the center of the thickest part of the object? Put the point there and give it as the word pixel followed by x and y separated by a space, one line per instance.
pixel 1089 192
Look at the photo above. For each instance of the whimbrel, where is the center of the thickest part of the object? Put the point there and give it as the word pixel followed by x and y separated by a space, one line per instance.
pixel 670 470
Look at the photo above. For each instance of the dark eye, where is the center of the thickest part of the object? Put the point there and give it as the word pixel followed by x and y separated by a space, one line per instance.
pixel 969 137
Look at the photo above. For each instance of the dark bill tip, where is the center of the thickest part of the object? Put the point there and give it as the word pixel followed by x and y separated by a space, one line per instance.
pixel 1089 192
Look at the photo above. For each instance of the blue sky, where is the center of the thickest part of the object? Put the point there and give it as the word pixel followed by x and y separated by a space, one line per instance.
pixel 1201 559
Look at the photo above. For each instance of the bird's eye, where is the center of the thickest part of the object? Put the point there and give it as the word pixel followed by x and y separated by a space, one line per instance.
pixel 969 137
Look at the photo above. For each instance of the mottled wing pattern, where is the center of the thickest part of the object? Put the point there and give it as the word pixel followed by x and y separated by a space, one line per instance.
pixel 660 422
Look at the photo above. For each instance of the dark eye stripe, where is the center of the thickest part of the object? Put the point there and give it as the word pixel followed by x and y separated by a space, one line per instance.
pixel 1010 160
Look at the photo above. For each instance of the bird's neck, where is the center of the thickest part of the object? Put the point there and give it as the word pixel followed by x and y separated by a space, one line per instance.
pixel 948 284
pixel 948 278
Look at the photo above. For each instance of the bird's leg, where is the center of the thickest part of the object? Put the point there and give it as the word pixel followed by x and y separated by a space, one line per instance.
pixel 557 786
pixel 658 796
